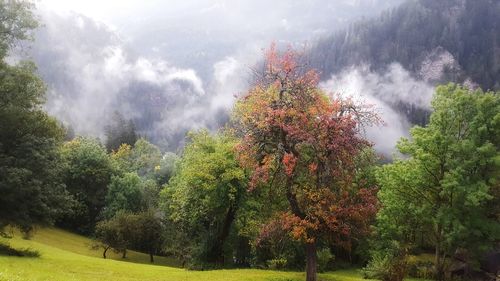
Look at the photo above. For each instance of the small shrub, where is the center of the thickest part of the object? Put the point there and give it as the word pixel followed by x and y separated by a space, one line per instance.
pixel 421 269
pixel 325 259
pixel 386 267
pixel 279 263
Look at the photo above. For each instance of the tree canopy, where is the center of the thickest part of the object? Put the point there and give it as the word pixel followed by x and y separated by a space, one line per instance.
pixel 447 184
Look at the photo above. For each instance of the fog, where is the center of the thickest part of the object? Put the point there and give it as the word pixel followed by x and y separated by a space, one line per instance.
pixel 173 66
pixel 383 91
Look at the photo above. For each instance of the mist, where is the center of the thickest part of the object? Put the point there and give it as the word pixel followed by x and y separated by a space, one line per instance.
pixel 384 91
pixel 180 66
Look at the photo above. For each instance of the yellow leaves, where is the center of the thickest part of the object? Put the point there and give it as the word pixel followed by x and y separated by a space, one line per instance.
pixel 124 151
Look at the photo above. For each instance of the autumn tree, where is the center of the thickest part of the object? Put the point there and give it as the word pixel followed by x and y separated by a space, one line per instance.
pixel 447 184
pixel 305 145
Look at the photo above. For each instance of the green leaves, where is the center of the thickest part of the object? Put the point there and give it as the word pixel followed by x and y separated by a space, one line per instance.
pixel 204 195
pixel 447 179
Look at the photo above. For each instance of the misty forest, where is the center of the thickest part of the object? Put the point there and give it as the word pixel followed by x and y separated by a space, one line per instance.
pixel 250 140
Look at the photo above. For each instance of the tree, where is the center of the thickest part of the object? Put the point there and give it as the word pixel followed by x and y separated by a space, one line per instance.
pixel 150 231
pixel 16 23
pixel 204 196
pixel 110 235
pixel 30 182
pixel 449 178
pixel 144 158
pixel 167 168
pixel 119 132
pixel 306 145
pixel 124 194
pixel 87 174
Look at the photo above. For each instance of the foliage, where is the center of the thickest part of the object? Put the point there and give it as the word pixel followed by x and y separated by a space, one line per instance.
pixel 279 263
pixel 141 231
pixel 385 267
pixel 447 183
pixel 204 196
pixel 124 194
pixel 420 269
pixel 167 168
pixel 144 158
pixel 16 23
pixel 325 259
pixel 147 233
pixel 305 145
pixel 87 174
pixel 30 182
pixel 111 235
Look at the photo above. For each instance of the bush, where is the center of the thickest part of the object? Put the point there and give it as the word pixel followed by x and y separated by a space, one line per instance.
pixel 420 269
pixel 279 263
pixel 325 259
pixel 386 267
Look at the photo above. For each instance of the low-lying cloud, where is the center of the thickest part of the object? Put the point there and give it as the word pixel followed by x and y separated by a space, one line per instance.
pixel 385 91
pixel 91 73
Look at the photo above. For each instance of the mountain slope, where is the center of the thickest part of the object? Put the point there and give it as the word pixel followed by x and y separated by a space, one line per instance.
pixel 437 41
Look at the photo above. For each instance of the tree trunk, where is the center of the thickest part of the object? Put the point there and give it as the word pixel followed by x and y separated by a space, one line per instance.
pixel 124 254
pixel 311 262
pixel 438 261
pixel 104 253
pixel 151 257
pixel 217 251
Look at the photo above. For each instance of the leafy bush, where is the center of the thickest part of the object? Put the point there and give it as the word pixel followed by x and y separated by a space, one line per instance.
pixel 279 263
pixel 420 269
pixel 386 267
pixel 325 259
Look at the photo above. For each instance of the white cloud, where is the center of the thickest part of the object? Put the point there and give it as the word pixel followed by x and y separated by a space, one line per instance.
pixel 383 91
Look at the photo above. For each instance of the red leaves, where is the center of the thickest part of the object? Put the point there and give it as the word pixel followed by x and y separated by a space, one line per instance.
pixel 289 161
pixel 286 116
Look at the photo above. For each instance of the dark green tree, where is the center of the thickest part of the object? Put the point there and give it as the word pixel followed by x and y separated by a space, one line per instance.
pixel 120 131
pixel 87 174
pixel 124 194
pixel 110 235
pixel 30 185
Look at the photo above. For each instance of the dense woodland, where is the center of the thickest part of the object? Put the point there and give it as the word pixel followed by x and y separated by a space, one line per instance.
pixel 289 183
pixel 461 34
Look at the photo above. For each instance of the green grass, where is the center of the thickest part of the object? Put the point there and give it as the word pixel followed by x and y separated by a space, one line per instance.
pixel 67 256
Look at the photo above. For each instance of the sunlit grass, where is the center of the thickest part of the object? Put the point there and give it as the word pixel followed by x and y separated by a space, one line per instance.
pixel 67 256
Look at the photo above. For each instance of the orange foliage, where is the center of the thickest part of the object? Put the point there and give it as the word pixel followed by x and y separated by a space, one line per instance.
pixel 293 131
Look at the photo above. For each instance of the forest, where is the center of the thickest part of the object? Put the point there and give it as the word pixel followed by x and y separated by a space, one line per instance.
pixel 290 183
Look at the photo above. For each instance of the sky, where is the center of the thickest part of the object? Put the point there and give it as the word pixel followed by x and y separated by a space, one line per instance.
pixel 178 65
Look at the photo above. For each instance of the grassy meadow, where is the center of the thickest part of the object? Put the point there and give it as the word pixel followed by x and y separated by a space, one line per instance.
pixel 67 256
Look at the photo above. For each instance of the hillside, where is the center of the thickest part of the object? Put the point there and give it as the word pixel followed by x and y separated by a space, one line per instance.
pixel 66 256
pixel 437 41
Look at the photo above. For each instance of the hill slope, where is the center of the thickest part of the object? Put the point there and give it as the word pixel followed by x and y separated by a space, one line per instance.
pixel 438 41
pixel 66 256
